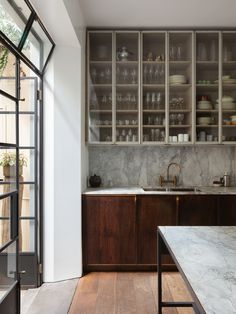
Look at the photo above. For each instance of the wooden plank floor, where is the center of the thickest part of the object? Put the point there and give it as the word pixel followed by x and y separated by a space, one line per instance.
pixel 127 293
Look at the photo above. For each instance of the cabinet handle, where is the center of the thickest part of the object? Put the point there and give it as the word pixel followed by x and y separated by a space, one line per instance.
pixel 177 210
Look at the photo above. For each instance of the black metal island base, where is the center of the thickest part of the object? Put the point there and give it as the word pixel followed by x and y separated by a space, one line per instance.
pixel 205 258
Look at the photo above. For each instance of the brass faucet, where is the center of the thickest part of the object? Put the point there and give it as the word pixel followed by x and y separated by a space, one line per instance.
pixel 168 180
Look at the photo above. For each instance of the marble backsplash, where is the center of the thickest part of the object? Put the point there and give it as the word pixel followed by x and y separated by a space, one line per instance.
pixel 142 166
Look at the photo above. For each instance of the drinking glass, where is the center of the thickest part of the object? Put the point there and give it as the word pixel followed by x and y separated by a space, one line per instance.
pixel 172 118
pixel 180 118
pixel 158 100
pixel 118 74
pixel 133 74
pixel 94 75
pixel 179 52
pixel 108 75
pixel 125 75
pixel 162 74
pixel 102 77
pixel 156 74
pixel 172 53
pixel 150 74
pixel 145 74
pixel 153 101
pixel 133 101
pixel 148 100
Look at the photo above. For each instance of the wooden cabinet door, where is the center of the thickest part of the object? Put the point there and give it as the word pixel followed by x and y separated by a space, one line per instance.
pixel 227 210
pixel 153 211
pixel 197 210
pixel 109 231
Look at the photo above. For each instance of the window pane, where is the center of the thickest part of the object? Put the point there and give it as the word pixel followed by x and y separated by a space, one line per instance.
pixel 7 172
pixel 7 121
pixel 13 18
pixel 7 70
pixel 38 46
pixel 8 269
pixel 27 200
pixel 27 231
pixel 28 169
pixel 28 92
pixel 26 131
pixel 5 235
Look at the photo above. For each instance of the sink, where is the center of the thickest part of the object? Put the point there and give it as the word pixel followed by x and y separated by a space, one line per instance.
pixel 184 189
pixel 150 189
pixel 170 189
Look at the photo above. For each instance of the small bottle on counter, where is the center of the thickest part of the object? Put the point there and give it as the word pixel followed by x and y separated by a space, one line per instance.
pixel 226 179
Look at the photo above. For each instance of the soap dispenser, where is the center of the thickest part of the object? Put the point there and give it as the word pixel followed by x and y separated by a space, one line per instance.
pixel 226 179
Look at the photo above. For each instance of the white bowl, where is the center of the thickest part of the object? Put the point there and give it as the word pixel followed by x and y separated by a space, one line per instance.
pixel 204 106
pixel 204 120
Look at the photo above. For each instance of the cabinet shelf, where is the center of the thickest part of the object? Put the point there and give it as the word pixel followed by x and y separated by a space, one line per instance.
pixel 101 126
pixel 153 86
pixel 130 126
pixel 180 110
pixel 153 111
pixel 154 126
pixel 126 111
pixel 127 86
pixel 153 62
pixel 207 110
pixel 207 126
pixel 229 125
pixel 180 86
pixel 179 126
pixel 207 86
pixel 100 111
pixel 127 62
pixel 100 62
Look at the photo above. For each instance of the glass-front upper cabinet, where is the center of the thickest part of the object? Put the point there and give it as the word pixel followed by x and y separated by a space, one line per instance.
pixel 228 87
pixel 207 87
pixel 127 87
pixel 180 102
pixel 99 86
pixel 153 86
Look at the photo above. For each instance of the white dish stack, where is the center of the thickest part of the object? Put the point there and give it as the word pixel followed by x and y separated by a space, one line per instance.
pixel 177 79
pixel 228 103
pixel 204 105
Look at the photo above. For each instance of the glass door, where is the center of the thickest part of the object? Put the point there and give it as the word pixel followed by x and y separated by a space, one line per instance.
pixel 127 87
pixel 99 82
pixel 228 81
pixel 207 87
pixel 153 87
pixel 9 192
pixel 180 87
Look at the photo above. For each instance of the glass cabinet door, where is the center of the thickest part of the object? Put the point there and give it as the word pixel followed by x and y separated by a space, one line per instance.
pixel 153 87
pixel 180 87
pixel 127 87
pixel 207 87
pixel 228 87
pixel 100 87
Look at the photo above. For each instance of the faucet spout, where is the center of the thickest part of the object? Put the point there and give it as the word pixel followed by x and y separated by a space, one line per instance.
pixel 168 180
pixel 168 168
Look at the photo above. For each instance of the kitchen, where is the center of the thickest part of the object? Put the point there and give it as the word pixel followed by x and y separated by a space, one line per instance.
pixel 143 104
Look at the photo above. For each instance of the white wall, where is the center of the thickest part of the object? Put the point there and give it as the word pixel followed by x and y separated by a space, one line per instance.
pixel 63 108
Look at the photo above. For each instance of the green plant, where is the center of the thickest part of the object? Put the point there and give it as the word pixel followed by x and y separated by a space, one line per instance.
pixel 9 159
pixel 12 31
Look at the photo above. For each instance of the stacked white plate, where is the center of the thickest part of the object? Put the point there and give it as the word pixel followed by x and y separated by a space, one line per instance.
pixel 204 105
pixel 177 79
pixel 227 103
pixel 204 120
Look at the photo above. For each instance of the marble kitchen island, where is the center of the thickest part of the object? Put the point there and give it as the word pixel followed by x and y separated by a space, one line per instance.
pixel 206 258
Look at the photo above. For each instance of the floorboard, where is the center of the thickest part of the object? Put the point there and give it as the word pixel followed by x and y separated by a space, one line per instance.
pixel 127 293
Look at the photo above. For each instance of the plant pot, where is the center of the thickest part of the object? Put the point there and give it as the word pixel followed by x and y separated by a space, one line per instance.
pixel 10 171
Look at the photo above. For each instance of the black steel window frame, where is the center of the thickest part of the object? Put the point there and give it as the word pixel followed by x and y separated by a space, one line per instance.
pixel 14 216
pixel 36 181
pixel 17 50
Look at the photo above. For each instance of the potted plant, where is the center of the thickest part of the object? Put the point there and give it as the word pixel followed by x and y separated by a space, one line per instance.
pixel 8 162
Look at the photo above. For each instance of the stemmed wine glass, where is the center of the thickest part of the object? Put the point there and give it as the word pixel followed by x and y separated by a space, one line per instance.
pixel 94 75
pixel 145 74
pixel 125 75
pixel 133 75
pixel 158 100
pixel 180 118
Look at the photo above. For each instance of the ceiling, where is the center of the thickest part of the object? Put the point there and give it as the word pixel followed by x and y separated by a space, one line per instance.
pixel 159 14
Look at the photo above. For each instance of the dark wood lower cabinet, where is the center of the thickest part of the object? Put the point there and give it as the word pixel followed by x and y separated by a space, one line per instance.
pixel 120 232
pixel 197 210
pixel 227 210
pixel 109 230
pixel 153 211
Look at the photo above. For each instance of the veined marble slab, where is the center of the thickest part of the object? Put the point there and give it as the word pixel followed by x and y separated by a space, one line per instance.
pixel 139 191
pixel 207 256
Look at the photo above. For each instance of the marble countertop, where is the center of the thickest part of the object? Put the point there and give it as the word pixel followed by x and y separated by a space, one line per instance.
pixel 139 191
pixel 207 256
